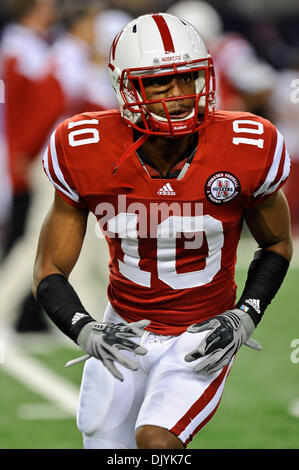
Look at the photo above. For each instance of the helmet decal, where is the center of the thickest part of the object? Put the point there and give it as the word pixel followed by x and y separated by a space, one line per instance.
pixel 113 48
pixel 165 33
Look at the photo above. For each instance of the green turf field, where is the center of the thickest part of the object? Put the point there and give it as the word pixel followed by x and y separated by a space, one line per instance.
pixel 254 412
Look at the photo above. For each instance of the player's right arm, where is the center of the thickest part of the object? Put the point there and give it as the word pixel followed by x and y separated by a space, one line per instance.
pixel 60 241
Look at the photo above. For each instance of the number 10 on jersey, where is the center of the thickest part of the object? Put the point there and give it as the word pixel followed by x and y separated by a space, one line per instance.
pixel 167 232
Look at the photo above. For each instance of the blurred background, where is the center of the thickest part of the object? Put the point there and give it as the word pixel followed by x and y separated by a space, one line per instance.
pixel 53 64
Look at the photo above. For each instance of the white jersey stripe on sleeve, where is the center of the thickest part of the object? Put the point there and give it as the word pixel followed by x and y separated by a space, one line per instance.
pixel 274 167
pixel 285 173
pixel 57 169
pixel 71 195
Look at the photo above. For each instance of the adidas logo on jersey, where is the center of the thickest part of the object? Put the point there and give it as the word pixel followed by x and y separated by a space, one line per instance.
pixel 166 190
pixel 78 317
pixel 255 303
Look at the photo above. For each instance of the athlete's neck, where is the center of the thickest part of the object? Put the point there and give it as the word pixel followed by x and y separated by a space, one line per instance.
pixel 165 152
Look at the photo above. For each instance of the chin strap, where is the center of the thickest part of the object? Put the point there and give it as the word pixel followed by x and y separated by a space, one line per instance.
pixel 131 149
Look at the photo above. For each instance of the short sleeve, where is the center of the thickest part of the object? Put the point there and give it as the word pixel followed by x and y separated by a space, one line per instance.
pixel 56 168
pixel 276 170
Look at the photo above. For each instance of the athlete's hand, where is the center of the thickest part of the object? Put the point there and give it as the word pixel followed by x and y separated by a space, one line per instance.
pixel 229 331
pixel 104 340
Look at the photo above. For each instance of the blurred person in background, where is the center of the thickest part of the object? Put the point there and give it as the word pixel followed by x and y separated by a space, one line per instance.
pixel 99 94
pixel 244 81
pixel 33 103
pixel 72 54
pixel 30 89
pixel 42 84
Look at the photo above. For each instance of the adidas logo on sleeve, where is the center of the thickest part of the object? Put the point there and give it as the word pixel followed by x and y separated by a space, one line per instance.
pixel 255 303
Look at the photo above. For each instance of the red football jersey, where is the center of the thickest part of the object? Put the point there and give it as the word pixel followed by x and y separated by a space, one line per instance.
pixel 172 242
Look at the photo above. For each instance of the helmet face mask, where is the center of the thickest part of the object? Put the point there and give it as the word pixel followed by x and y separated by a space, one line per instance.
pixel 130 83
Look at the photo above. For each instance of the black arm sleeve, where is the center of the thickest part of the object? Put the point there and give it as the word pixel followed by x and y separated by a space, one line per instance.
pixel 265 275
pixel 60 301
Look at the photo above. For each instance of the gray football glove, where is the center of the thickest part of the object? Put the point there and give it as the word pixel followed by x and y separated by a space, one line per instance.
pixel 229 331
pixel 104 340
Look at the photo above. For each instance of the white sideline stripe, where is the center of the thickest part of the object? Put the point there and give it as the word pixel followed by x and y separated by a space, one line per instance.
pixel 41 380
pixel 37 411
pixel 294 409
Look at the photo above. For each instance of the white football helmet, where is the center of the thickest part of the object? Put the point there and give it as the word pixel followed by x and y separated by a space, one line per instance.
pixel 163 44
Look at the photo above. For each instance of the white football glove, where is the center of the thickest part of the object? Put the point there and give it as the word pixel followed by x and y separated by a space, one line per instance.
pixel 229 331
pixel 104 340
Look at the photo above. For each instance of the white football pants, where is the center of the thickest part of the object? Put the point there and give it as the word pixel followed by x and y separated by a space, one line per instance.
pixel 163 392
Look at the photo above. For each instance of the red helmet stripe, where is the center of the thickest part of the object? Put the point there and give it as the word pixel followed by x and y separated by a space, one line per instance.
pixel 165 32
pixel 114 44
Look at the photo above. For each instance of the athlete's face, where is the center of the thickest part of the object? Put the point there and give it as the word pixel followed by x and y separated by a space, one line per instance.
pixel 158 88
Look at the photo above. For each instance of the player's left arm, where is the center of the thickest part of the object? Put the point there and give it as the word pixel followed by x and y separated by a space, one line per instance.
pixel 269 223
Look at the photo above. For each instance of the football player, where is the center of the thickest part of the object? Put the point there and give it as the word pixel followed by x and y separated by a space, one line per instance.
pixel 170 182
